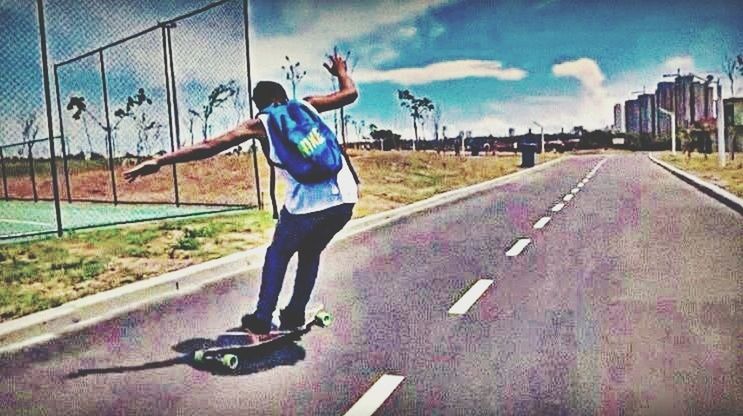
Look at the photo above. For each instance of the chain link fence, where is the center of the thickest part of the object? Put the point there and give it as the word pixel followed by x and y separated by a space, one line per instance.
pixel 161 83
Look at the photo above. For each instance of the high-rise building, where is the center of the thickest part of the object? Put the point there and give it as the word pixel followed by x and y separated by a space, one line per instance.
pixel 664 98
pixel 647 114
pixel 618 117
pixel 632 116
pixel 683 100
pixel 697 101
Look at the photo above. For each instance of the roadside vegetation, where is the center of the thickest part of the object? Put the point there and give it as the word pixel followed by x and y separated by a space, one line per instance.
pixel 729 178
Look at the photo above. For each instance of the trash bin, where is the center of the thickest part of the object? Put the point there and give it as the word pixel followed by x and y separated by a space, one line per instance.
pixel 528 152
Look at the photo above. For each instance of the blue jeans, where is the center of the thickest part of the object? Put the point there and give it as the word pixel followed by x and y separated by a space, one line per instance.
pixel 308 235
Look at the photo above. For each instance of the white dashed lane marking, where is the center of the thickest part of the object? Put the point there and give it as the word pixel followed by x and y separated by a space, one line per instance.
pixel 375 396
pixel 568 197
pixel 541 223
pixel 518 247
pixel 558 207
pixel 575 190
pixel 468 299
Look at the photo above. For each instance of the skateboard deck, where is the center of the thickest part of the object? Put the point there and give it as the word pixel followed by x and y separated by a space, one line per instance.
pixel 230 343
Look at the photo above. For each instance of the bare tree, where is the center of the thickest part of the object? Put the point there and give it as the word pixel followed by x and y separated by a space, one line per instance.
pixel 192 116
pixel 29 132
pixel 80 112
pixel 148 130
pixel 219 95
pixel 350 67
pixel 294 75
pixel 731 66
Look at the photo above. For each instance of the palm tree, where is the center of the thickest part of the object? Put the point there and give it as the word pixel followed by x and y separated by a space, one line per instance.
pixel 418 107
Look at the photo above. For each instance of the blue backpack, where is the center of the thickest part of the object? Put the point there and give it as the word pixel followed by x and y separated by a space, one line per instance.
pixel 304 144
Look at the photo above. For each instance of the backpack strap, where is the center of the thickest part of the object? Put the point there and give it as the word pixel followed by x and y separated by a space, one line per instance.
pixel 272 183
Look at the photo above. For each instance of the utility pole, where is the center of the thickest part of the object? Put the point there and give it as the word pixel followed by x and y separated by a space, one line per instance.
pixel 720 125
pixel 542 133
pixel 673 127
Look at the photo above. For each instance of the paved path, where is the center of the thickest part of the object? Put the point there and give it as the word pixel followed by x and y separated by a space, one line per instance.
pixel 628 300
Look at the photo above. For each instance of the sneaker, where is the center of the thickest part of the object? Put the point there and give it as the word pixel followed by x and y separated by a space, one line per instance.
pixel 290 320
pixel 252 323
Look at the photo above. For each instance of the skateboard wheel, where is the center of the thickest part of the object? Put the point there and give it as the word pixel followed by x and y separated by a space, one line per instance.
pixel 324 319
pixel 230 361
pixel 198 356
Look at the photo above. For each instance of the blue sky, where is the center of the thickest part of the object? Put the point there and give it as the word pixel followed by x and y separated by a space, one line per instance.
pixel 488 65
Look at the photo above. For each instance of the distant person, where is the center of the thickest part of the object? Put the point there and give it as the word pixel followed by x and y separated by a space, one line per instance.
pixel 313 212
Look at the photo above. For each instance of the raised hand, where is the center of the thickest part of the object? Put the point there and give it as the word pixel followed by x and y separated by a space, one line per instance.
pixel 143 169
pixel 337 65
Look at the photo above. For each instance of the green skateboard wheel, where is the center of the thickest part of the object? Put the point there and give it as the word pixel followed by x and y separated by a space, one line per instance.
pixel 324 319
pixel 230 361
pixel 198 356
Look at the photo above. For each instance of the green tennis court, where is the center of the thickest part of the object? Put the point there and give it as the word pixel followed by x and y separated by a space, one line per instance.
pixel 20 219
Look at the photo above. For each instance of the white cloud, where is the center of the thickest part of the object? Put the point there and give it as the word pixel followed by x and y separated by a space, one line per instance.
pixel 589 106
pixel 683 63
pixel 586 71
pixel 443 71
pixel 408 31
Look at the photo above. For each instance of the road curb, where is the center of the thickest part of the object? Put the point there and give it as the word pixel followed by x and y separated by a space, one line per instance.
pixel 712 190
pixel 45 325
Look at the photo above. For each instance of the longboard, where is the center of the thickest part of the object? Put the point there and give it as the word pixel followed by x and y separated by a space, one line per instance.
pixel 229 344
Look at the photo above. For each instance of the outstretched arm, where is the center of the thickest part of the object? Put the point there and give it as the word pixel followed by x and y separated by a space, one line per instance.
pixel 344 96
pixel 252 128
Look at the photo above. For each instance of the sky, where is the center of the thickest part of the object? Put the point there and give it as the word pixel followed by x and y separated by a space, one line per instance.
pixel 487 65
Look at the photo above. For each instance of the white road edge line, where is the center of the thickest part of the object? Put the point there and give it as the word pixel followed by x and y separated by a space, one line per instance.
pixel 541 223
pixel 558 207
pixel 470 297
pixel 375 396
pixel 568 197
pixel 46 224
pixel 518 247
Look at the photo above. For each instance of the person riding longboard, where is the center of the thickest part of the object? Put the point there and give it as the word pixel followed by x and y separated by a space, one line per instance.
pixel 317 205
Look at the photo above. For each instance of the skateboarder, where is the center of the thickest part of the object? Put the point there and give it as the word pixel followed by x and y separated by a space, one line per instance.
pixel 312 213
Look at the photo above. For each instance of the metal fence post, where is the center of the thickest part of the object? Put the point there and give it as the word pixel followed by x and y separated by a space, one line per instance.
pixel 31 170
pixel 61 133
pixel 246 25
pixel 173 86
pixel 48 101
pixel 170 111
pixel 5 178
pixel 108 127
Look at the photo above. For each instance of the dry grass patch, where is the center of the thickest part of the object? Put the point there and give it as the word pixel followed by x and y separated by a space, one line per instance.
pixel 729 178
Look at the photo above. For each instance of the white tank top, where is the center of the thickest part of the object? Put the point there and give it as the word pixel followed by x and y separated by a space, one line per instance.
pixel 303 198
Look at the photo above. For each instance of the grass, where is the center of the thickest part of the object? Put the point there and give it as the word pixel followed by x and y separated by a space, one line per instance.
pixel 729 178
pixel 41 274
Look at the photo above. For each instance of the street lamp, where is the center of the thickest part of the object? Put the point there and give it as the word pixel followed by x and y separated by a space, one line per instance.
pixel 720 125
pixel 542 132
pixel 673 127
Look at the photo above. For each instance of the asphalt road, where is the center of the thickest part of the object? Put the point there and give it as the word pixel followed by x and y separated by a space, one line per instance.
pixel 628 301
